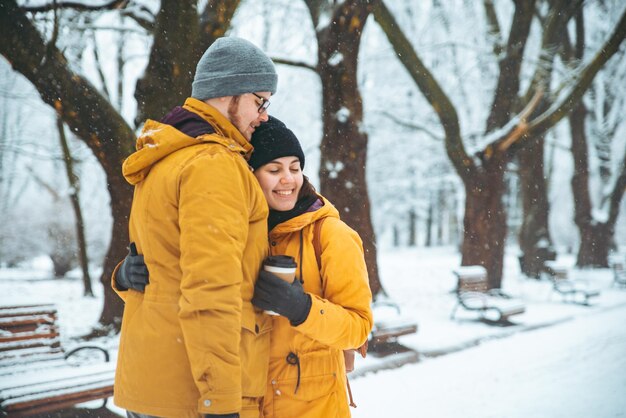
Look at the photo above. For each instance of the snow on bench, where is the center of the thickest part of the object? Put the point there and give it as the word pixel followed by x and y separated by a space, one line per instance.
pixel 473 294
pixel 35 376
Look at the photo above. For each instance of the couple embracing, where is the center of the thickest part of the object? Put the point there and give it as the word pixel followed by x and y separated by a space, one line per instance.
pixel 219 187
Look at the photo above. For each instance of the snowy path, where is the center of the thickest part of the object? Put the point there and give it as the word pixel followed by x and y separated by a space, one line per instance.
pixel 574 369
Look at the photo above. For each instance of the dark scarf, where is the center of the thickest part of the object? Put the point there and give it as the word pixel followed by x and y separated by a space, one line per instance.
pixel 188 122
pixel 302 205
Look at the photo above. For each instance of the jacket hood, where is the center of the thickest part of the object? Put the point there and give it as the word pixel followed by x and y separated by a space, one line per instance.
pixel 299 222
pixel 158 140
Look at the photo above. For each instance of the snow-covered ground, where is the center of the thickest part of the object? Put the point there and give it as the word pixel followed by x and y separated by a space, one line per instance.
pixel 559 360
pixel 573 369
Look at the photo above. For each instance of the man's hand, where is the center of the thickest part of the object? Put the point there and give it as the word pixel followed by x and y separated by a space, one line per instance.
pixel 289 300
pixel 133 273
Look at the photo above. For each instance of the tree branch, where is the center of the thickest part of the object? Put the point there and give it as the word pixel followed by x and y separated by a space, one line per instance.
pixel 429 87
pixel 101 128
pixel 300 64
pixel 214 21
pixel 494 26
pixel 147 24
pixel 96 55
pixel 559 14
pixel 522 127
pixel 561 108
pixel 46 186
pixel 412 126
pixel 112 5
pixel 508 81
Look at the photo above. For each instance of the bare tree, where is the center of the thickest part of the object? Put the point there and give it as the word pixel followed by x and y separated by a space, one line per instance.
pixel 596 235
pixel 93 118
pixel 483 174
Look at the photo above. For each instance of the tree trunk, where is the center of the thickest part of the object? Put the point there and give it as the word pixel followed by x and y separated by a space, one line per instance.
pixel 179 42
pixel 534 236
pixel 412 228
pixel 61 239
pixel 90 117
pixel 595 237
pixel 429 223
pixel 94 120
pixel 73 182
pixel 595 244
pixel 396 236
pixel 485 222
pixel 170 62
pixel 344 144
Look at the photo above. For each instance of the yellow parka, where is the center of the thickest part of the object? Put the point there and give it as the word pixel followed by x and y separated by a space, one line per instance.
pixel 193 343
pixel 340 318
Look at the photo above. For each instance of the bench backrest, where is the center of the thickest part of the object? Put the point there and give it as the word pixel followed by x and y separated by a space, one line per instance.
pixel 471 279
pixel 28 334
pixel 557 271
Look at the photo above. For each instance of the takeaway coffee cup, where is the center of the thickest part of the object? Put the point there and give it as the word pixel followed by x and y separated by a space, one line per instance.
pixel 282 266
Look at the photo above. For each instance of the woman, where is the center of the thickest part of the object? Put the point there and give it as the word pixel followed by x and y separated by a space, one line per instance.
pixel 307 375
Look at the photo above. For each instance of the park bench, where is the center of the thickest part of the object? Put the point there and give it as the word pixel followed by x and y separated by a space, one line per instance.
pixel 574 291
pixel 389 323
pixel 473 294
pixel 35 374
pixel 383 343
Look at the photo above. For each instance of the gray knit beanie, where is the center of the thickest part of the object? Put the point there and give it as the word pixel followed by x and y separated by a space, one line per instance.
pixel 233 66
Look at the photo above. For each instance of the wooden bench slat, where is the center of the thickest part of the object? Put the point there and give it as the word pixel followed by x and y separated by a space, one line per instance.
pixel 28 318
pixel 34 374
pixel 24 338
pixel 37 365
pixel 28 407
pixel 56 379
pixel 26 310
pixel 30 361
pixel 386 333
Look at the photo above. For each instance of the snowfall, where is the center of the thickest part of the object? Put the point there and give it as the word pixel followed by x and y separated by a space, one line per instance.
pixel 558 359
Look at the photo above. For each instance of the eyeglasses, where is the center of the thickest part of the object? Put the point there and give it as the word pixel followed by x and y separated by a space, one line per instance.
pixel 264 103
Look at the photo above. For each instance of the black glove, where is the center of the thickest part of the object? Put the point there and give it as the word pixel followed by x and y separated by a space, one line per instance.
pixel 289 300
pixel 236 415
pixel 133 273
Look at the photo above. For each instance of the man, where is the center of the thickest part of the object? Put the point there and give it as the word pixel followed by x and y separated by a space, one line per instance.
pixel 192 344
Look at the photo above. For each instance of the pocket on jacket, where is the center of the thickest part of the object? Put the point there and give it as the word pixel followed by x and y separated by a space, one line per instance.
pixel 254 352
pixel 310 388
pixel 315 397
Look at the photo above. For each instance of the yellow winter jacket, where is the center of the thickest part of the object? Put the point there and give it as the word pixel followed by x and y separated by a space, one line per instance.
pixel 340 318
pixel 193 343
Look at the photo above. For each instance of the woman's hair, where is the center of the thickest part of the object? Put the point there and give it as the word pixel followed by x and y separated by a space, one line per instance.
pixel 307 189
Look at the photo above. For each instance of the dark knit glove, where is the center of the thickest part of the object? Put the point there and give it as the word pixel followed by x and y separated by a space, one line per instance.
pixel 133 273
pixel 236 415
pixel 289 300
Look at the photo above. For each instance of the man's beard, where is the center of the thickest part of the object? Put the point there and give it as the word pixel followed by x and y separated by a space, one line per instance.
pixel 233 115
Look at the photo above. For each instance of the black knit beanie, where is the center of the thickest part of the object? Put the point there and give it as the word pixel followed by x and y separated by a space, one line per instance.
pixel 272 140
